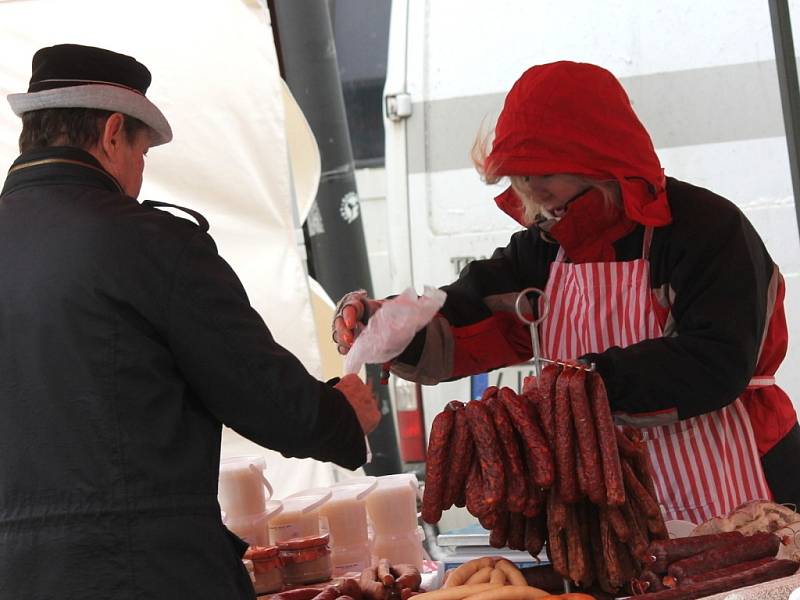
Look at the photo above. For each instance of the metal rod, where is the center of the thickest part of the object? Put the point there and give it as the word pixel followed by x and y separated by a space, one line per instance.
pixel 590 367
pixel 790 96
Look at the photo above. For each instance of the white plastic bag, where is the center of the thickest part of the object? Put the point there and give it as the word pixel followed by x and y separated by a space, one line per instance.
pixel 392 327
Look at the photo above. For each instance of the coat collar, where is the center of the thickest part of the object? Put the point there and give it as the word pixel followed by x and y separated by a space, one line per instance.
pixel 59 164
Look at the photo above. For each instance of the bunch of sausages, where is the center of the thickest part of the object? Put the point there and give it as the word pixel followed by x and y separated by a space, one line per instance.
pixel 698 566
pixel 384 582
pixel 347 589
pixel 549 468
pixel 390 582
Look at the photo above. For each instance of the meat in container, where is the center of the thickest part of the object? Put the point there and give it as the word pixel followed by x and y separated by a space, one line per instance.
pixel 267 574
pixel 306 560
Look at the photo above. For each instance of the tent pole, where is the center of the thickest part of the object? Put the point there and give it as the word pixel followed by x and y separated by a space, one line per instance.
pixel 334 234
pixel 790 97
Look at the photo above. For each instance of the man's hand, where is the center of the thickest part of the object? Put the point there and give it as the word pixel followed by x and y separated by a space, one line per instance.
pixel 360 397
pixel 352 313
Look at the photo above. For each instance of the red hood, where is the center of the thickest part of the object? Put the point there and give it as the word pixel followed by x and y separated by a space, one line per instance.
pixel 568 117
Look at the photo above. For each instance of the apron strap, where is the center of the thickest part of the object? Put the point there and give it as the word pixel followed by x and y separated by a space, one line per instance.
pixel 761 381
pixel 648 238
pixel 561 254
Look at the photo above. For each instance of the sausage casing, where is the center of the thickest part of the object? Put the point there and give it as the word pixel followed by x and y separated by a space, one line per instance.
pixel 607 440
pixel 436 466
pixel 487 448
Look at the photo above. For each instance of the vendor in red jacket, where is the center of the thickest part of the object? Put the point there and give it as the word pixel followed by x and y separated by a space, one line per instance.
pixel 665 286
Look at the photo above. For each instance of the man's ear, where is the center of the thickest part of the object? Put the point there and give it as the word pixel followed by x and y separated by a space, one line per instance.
pixel 113 135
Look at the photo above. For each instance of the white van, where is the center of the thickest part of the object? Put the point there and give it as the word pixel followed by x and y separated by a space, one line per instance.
pixel 701 76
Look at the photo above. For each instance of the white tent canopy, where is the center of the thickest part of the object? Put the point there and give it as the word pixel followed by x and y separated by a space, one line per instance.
pixel 216 78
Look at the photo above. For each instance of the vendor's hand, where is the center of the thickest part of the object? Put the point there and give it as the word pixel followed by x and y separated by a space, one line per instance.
pixel 360 397
pixel 352 313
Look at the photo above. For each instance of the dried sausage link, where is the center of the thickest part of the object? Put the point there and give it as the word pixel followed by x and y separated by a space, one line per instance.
pixel 617 522
pixel 461 453
pixel 538 456
pixel 583 421
pixel 516 532
pixel 474 493
pixel 607 440
pixel 436 466
pixel 498 538
pixel 708 587
pixel 536 499
pixel 645 582
pixel 724 572
pixel 565 441
pixel 627 447
pixel 535 533
pixel 758 545
pixel 516 486
pixel 557 552
pixel 665 552
pixel 640 494
pixel 547 403
pixel 489 392
pixel 487 449
pixel 600 567
pixel 637 542
pixel 576 552
pixel 616 576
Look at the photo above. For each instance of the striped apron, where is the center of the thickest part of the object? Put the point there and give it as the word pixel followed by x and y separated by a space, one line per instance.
pixel 704 466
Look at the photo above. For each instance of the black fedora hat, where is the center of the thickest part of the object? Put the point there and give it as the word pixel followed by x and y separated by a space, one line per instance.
pixel 74 76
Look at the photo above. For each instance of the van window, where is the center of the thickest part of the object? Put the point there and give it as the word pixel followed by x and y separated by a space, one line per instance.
pixel 361 33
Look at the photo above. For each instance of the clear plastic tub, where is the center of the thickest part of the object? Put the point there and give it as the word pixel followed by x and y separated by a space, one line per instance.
pixel 242 486
pixel 350 559
pixel 306 560
pixel 254 529
pixel 392 505
pixel 400 548
pixel 346 513
pixel 300 516
pixel 345 516
pixel 267 568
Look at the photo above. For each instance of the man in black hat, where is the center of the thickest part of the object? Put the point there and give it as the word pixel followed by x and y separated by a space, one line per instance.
pixel 126 343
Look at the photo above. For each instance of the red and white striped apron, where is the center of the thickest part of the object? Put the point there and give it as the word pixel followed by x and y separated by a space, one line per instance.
pixel 704 466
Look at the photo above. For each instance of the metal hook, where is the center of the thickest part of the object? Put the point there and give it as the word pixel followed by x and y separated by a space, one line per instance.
pixel 524 294
pixel 537 359
pixel 535 347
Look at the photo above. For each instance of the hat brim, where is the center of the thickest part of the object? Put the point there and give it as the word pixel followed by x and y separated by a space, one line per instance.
pixel 98 96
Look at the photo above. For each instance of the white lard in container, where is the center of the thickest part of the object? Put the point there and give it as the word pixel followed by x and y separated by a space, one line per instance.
pixel 242 485
pixel 300 516
pixel 392 508
pixel 392 505
pixel 346 517
pixel 404 548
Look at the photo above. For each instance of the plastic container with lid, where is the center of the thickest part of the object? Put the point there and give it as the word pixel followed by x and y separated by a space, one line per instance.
pixel 242 486
pixel 267 564
pixel 254 529
pixel 306 560
pixel 345 515
pixel 392 505
pixel 299 517
pixel 400 548
pixel 351 559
